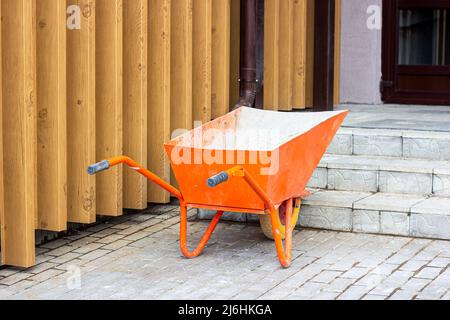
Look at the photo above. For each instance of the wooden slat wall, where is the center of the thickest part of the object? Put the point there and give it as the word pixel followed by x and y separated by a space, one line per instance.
pixel 286 55
pixel 19 131
pixel 201 60
pixel 81 146
pixel 135 45
pixel 235 30
pixel 51 111
pixel 159 95
pixel 109 86
pixel 2 203
pixel 220 86
pixel 135 72
pixel 271 54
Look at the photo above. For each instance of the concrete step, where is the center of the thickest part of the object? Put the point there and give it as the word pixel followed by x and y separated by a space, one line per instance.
pixel 379 213
pixel 382 174
pixel 392 143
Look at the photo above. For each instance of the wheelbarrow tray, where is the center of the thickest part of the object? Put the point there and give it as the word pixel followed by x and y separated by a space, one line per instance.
pixel 280 150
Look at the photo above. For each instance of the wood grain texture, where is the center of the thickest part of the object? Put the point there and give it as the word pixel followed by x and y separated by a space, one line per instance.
pixel 181 69
pixel 81 114
pixel 235 30
pixel 158 95
pixel 286 55
pixel 201 61
pixel 109 102
pixel 135 43
pixel 220 85
pixel 271 54
pixel 52 123
pixel 19 131
pixel 309 65
pixel 299 60
pixel 2 203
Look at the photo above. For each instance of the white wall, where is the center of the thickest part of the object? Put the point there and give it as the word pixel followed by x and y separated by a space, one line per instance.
pixel 360 54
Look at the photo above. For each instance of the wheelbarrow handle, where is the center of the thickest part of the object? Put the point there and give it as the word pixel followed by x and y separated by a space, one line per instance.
pixel 214 181
pixel 98 167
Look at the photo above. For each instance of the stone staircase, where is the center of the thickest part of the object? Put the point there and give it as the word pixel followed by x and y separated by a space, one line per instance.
pixel 394 182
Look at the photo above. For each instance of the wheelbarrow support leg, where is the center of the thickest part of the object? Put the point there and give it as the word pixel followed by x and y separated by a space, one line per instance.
pixel 284 254
pixel 183 233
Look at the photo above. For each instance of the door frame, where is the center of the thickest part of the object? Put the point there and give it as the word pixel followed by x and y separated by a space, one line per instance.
pixel 390 68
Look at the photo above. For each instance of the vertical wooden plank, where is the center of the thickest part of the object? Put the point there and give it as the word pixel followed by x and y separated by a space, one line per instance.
pixel 181 65
pixel 51 106
pixel 201 60
pixel 181 68
pixel 220 87
pixel 158 95
pixel 271 53
pixel 309 65
pixel 2 208
pixel 286 76
pixel 109 102
pixel 135 44
pixel 19 131
pixel 235 30
pixel 299 59
pixel 337 53
pixel 81 115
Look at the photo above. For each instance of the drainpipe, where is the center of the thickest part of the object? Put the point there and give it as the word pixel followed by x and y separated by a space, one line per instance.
pixel 247 82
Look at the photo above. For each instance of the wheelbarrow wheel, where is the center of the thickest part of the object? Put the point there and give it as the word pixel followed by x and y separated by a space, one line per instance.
pixel 266 224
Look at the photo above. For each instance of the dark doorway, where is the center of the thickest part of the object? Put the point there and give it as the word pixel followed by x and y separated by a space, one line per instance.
pixel 416 51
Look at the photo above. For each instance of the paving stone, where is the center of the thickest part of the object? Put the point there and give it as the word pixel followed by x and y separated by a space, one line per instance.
pixel 14 278
pixel 89 247
pixel 339 285
pixel 45 275
pixel 41 267
pixel 111 238
pixel 393 282
pixel 355 273
pixel 413 265
pixel 440 262
pixel 353 293
pixel 117 245
pixel 94 254
pixel 374 297
pixel 326 276
pixel 55 244
pixel 65 258
pixel 428 273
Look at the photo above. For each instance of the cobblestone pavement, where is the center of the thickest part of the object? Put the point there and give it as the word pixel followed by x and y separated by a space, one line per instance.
pixel 137 257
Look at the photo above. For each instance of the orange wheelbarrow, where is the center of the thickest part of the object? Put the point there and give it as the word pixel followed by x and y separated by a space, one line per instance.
pixel 249 160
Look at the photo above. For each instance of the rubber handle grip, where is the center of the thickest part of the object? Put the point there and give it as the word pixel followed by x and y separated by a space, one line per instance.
pixel 98 167
pixel 217 179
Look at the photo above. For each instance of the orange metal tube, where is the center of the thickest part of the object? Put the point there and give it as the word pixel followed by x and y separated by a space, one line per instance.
pixel 284 254
pixel 183 208
pixel 147 173
pixel 183 233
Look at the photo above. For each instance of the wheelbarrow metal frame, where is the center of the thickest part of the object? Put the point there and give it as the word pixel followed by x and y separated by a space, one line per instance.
pixel 284 252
